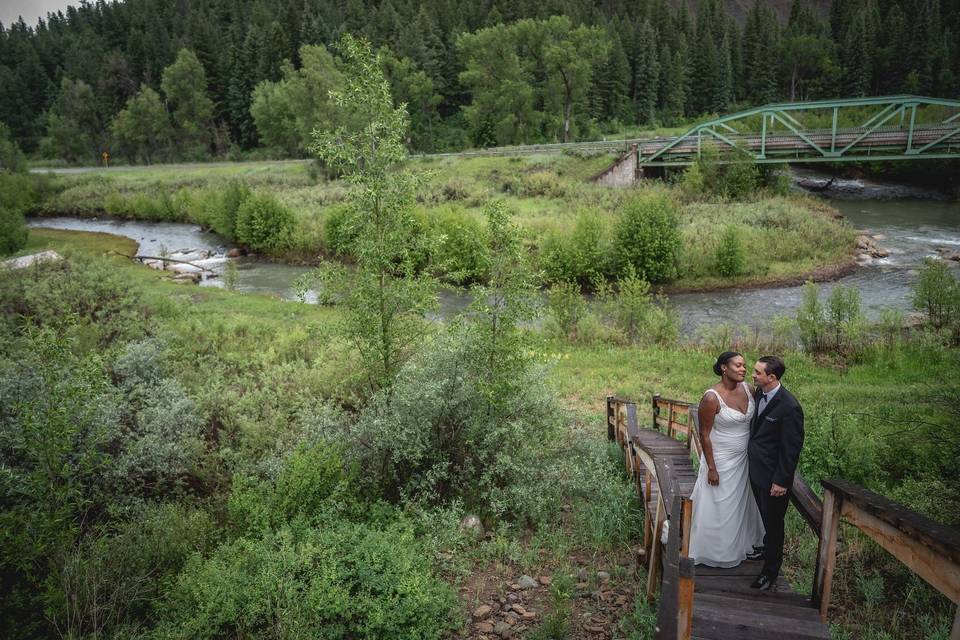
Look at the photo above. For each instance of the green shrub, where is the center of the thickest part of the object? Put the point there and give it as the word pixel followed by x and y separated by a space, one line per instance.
pixel 647 237
pixel 730 255
pixel 159 444
pixel 86 298
pixel 460 247
pixel 937 294
pixel 542 184
pixel 339 581
pixel 468 421
pixel 810 319
pixel 339 231
pixel 566 307
pixel 17 195
pixel 636 315
pixel 113 580
pixel 580 256
pixel 226 211
pixel 263 224
pixel 11 158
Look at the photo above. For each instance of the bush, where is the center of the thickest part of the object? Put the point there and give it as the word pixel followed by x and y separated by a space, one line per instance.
pixel 86 298
pixel 636 315
pixel 460 247
pixel 647 237
pixel 730 255
pixel 339 232
pixel 17 195
pixel 159 444
pixel 340 581
pixel 226 212
pixel 112 581
pixel 566 308
pixel 839 327
pixel 937 294
pixel 581 256
pixel 456 426
pixel 263 224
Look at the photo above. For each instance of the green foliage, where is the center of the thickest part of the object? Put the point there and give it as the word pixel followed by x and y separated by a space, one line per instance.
pixel 566 308
pixel 263 223
pixel 581 256
pixel 17 195
pixel 113 581
pixel 511 69
pixel 160 440
pixel 838 327
pixel 937 294
pixel 386 295
pixel 11 158
pixel 82 297
pixel 340 580
pixel 74 131
pixel 287 111
pixel 635 313
pixel 733 181
pixel 184 84
pixel 459 249
pixel 647 237
pixel 223 217
pixel 142 128
pixel 731 255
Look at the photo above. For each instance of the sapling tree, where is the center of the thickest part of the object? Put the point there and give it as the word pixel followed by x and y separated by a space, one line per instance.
pixel 387 294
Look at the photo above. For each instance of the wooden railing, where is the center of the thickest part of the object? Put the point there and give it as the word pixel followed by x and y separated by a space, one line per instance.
pixel 929 549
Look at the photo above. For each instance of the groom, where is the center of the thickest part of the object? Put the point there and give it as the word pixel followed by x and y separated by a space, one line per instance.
pixel 776 438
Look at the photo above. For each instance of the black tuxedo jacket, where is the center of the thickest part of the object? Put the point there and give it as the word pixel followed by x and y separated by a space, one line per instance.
pixel 776 438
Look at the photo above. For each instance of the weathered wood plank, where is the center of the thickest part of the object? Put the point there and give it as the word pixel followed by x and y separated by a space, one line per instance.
pixel 739 587
pixel 767 607
pixel 826 553
pixel 745 568
pixel 733 628
pixel 941 538
pixel 685 590
pixel 807 503
pixel 943 573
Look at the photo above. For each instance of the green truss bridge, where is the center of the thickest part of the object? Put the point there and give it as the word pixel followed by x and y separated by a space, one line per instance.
pixel 855 130
pixel 884 128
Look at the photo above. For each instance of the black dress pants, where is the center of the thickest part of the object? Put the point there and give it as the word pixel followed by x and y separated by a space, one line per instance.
pixel 772 512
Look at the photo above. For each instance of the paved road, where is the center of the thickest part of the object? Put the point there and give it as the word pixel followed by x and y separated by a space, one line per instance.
pixel 155 167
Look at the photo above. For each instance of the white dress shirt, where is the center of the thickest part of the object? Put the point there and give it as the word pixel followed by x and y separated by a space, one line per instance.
pixel 766 398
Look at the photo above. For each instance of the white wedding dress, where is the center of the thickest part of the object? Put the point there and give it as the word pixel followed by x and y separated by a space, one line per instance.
pixel 726 521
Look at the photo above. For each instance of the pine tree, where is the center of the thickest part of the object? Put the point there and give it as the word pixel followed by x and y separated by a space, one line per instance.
pixel 614 81
pixel 647 73
pixel 858 63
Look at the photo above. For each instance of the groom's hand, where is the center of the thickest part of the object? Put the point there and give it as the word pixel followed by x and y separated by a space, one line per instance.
pixel 776 490
pixel 713 477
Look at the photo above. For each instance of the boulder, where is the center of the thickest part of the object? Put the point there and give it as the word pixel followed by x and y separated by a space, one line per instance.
pixel 472 524
pixel 482 612
pixel 526 582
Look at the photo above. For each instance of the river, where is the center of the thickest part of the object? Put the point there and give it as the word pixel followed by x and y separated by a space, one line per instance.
pixel 911 229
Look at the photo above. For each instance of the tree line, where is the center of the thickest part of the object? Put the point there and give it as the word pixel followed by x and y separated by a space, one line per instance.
pixel 156 80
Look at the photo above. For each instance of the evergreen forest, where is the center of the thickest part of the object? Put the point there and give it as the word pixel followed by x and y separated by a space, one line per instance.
pixel 150 80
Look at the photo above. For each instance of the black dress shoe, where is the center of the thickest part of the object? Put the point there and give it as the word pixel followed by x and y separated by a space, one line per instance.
pixel 756 554
pixel 763 583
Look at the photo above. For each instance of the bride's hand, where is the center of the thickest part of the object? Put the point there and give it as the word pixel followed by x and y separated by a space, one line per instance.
pixel 713 477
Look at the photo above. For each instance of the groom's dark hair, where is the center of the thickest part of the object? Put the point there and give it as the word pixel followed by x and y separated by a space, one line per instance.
pixel 774 366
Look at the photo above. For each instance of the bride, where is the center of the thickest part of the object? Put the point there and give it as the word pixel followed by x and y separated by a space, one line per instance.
pixel 726 526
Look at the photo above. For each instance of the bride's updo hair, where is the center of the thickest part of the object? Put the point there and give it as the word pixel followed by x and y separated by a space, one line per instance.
pixel 723 359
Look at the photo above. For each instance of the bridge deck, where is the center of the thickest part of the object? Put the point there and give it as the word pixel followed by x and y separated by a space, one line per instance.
pixel 724 605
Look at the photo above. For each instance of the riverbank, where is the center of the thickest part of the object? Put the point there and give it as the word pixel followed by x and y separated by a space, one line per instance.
pixel 557 210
